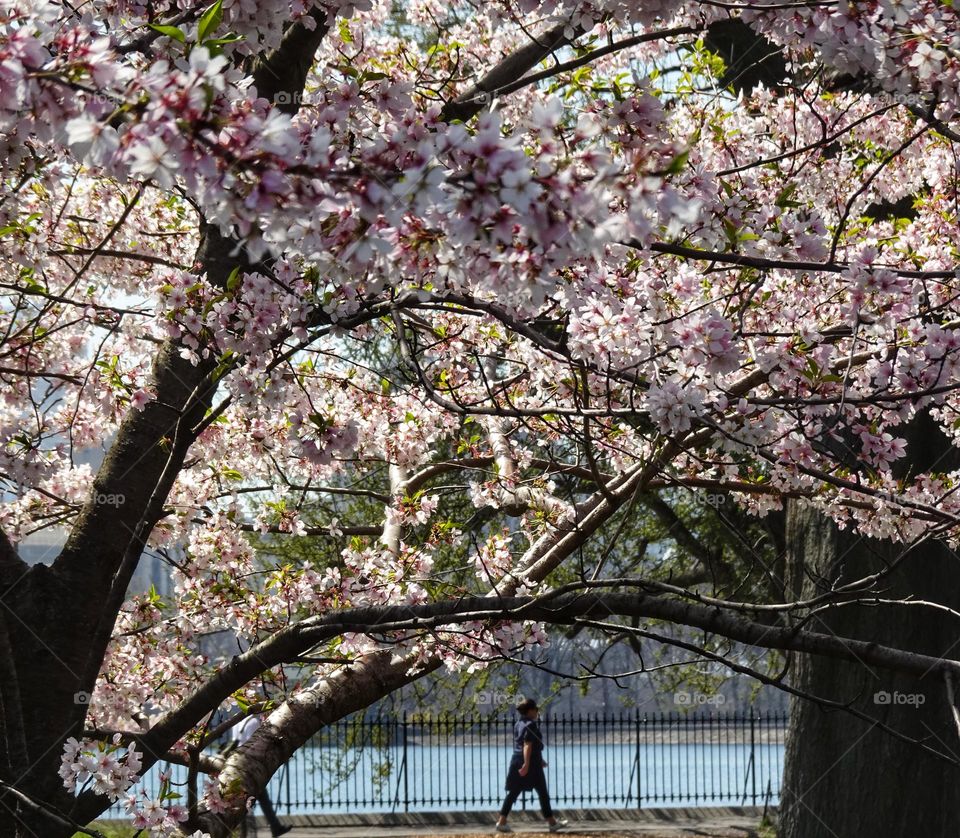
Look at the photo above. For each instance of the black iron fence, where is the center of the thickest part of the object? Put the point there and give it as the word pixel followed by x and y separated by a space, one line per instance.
pixel 620 760
pixel 634 759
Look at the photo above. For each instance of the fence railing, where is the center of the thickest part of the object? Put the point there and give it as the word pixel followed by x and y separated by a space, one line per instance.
pixel 629 760
pixel 608 760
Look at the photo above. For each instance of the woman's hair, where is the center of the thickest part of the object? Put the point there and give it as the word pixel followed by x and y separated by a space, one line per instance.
pixel 526 706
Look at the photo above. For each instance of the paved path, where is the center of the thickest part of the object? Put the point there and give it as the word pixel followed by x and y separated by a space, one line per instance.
pixel 715 829
pixel 650 823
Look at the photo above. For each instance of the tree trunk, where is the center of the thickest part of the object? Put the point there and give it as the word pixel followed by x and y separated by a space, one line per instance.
pixel 43 631
pixel 842 776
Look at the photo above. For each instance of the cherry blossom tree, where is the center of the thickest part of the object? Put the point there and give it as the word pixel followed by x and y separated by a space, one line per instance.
pixel 337 272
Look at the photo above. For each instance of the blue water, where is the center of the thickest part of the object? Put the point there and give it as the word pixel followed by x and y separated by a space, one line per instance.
pixel 468 777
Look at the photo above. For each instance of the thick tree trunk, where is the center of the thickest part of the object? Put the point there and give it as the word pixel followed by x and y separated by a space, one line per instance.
pixel 843 777
pixel 41 714
pixel 56 621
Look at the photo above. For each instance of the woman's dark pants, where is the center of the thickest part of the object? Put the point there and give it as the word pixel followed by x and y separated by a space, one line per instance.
pixel 541 789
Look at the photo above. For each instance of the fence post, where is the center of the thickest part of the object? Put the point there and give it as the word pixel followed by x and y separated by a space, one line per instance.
pixel 753 759
pixel 636 730
pixel 406 768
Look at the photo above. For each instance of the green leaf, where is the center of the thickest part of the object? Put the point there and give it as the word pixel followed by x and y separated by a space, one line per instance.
pixel 169 31
pixel 731 230
pixel 678 163
pixel 210 21
pixel 233 281
pixel 786 194
pixel 226 39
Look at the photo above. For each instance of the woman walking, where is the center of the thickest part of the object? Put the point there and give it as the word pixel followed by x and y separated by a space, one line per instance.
pixel 526 767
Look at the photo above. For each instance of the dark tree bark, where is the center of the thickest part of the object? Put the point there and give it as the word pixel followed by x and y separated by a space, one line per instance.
pixel 750 58
pixel 842 777
pixel 57 620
